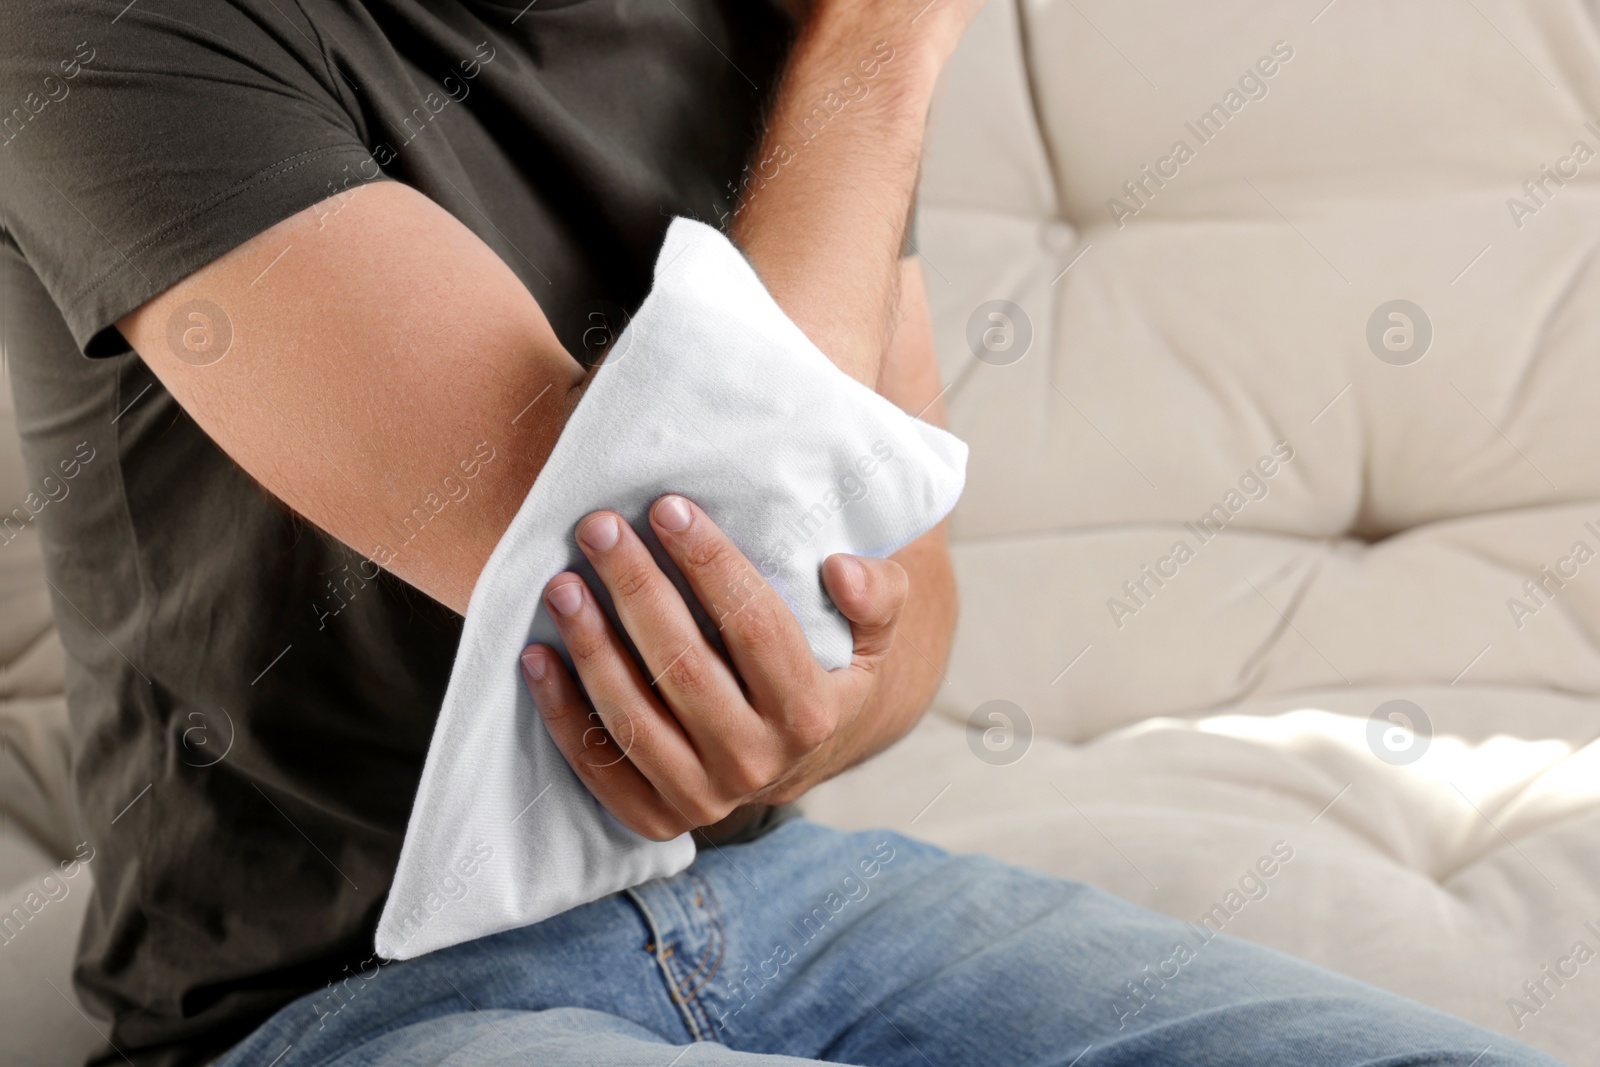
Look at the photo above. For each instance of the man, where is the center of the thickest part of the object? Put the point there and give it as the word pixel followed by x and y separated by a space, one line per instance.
pixel 338 266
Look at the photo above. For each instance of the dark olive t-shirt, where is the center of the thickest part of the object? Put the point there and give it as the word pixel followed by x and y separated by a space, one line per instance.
pixel 251 700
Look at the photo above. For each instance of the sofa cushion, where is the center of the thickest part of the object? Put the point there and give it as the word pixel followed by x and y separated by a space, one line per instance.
pixel 1223 506
pixel 41 1022
pixel 1452 880
pixel 1177 359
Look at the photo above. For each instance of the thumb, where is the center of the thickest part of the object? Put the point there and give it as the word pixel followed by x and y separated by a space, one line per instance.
pixel 871 593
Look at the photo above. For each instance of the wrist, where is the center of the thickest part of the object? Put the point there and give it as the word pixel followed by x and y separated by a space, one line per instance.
pixel 835 756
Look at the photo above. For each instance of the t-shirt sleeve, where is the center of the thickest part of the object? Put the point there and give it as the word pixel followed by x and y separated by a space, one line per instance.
pixel 136 148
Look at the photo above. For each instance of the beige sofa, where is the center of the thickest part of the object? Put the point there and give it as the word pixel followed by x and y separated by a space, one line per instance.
pixel 41 907
pixel 1180 730
pixel 1168 718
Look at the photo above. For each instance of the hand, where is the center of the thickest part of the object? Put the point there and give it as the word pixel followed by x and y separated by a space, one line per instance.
pixel 681 741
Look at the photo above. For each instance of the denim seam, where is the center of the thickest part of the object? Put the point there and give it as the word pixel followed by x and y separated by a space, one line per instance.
pixel 714 911
pixel 689 1000
pixel 686 981
pixel 716 943
pixel 659 951
pixel 693 983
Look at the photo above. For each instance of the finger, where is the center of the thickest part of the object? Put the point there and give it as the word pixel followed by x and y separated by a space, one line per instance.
pixel 590 750
pixel 871 593
pixel 694 681
pixel 621 695
pixel 763 638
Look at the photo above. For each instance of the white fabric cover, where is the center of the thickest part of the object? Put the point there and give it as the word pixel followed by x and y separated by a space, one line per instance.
pixel 1229 314
pixel 711 392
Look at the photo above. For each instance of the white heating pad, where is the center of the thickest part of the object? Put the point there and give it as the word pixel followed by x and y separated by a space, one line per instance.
pixel 711 392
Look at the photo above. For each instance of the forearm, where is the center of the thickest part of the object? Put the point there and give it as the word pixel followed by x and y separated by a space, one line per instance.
pixel 821 211
pixel 915 665
pixel 768 722
pixel 910 674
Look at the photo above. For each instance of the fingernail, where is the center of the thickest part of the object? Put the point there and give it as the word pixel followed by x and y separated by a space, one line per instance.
pixel 533 663
pixel 566 598
pixel 855 575
pixel 600 532
pixel 672 512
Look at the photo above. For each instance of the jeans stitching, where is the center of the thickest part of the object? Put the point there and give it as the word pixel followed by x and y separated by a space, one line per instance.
pixel 716 943
pixel 687 982
pixel 691 1004
pixel 660 950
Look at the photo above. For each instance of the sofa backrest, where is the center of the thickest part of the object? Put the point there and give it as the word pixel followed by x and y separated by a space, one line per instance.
pixel 1370 271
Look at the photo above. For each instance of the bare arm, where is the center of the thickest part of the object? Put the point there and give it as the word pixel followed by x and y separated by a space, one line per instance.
pixel 388 349
pixel 914 666
pixel 822 209
pixel 639 738
pixel 684 739
pixel 389 346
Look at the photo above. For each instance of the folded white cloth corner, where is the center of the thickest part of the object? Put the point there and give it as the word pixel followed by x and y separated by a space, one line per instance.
pixel 711 392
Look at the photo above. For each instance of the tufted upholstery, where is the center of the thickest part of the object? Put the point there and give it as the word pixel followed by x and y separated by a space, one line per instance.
pixel 1178 736
pixel 1229 712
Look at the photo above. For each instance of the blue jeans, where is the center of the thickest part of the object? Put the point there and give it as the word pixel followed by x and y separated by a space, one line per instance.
pixel 810 944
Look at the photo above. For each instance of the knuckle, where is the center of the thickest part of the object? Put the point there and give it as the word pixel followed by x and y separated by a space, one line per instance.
pixel 760 630
pixel 659 827
pixel 626 732
pixel 687 675
pixel 887 595
pixel 706 553
pixel 598 735
pixel 631 580
pixel 717 810
pixel 586 644
pixel 746 777
pixel 593 748
pixel 873 656
pixel 811 722
pixel 704 810
pixel 564 710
